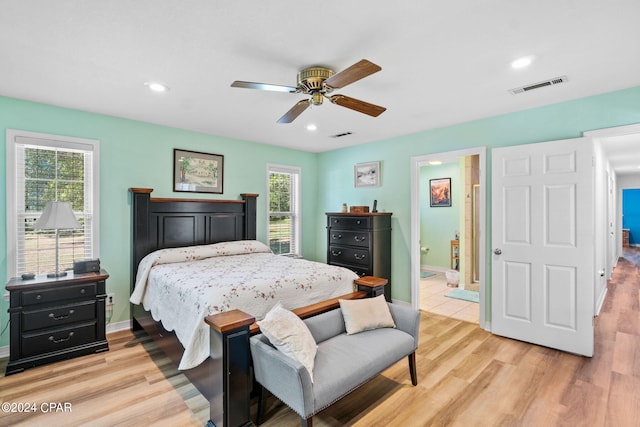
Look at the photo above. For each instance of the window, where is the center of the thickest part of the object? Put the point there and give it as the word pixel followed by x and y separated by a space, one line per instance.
pixel 284 209
pixel 41 168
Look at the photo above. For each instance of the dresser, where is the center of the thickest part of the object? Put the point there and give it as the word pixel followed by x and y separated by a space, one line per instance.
pixel 53 319
pixel 362 243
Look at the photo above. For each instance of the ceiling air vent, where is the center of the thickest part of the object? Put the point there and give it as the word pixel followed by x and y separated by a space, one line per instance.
pixel 538 85
pixel 340 135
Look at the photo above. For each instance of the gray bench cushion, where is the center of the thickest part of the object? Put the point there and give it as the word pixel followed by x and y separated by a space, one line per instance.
pixel 345 362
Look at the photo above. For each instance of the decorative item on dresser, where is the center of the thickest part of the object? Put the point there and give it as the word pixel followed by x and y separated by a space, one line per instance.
pixel 53 319
pixel 362 243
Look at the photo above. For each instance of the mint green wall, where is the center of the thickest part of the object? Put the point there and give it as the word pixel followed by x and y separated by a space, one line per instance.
pixel 438 225
pixel 553 122
pixel 136 154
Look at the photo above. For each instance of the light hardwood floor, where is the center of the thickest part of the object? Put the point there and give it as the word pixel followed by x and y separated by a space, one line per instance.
pixel 467 377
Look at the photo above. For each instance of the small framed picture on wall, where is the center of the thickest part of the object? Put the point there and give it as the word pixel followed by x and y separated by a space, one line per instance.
pixel 367 174
pixel 440 192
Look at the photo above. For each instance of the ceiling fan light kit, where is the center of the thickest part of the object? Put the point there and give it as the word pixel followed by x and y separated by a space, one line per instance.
pixel 319 82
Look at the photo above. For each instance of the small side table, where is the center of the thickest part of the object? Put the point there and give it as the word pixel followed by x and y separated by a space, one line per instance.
pixel 373 286
pixel 54 319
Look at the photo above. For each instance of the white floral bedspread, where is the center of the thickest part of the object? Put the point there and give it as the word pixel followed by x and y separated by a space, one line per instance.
pixel 181 286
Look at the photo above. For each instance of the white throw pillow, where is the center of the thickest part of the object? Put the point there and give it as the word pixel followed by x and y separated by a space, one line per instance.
pixel 366 314
pixel 289 334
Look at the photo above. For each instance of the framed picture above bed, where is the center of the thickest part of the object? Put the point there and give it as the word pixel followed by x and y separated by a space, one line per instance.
pixel 197 172
pixel 440 192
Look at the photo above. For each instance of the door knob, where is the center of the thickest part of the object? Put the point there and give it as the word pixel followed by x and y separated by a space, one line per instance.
pixel 497 251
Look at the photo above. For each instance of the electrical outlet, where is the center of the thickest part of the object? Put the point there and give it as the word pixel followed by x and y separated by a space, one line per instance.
pixel 111 299
pixel 6 296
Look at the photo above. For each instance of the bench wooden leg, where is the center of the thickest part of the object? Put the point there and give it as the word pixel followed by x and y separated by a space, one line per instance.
pixel 262 396
pixel 412 369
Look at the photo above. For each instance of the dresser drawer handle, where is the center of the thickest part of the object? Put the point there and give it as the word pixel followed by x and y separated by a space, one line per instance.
pixel 61 316
pixel 82 291
pixel 337 236
pixel 358 222
pixel 360 238
pixel 52 339
pixel 39 296
pixel 336 253
pixel 359 257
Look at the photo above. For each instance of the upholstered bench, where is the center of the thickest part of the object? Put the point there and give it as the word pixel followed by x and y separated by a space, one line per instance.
pixel 343 361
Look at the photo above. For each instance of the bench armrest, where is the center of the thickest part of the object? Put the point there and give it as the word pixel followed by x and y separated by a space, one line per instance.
pixel 283 376
pixel 406 319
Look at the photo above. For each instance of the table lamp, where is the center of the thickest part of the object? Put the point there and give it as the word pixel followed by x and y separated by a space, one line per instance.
pixel 56 216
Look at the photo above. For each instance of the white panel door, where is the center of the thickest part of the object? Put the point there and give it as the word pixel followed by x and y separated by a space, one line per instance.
pixel 543 244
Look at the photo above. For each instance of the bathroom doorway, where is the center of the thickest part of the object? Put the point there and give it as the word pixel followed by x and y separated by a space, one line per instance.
pixel 449 237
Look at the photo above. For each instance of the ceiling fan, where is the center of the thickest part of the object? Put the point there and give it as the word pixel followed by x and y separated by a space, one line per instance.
pixel 319 82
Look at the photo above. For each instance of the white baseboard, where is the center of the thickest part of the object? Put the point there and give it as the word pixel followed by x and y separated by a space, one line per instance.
pixel 433 268
pixel 601 301
pixel 118 326
pixel 406 304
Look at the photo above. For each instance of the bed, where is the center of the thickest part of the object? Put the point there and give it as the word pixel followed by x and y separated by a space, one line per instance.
pixel 216 237
pixel 182 286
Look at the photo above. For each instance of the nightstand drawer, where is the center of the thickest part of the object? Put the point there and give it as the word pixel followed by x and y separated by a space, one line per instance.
pixel 66 292
pixel 352 238
pixel 58 339
pixel 57 316
pixel 341 222
pixel 351 256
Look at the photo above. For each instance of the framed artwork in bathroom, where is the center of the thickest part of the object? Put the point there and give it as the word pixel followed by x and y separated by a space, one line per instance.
pixel 440 192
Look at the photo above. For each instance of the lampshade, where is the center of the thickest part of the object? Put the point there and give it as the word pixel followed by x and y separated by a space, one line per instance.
pixel 57 215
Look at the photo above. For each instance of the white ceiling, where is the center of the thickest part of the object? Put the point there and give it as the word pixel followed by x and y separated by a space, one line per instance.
pixel 442 62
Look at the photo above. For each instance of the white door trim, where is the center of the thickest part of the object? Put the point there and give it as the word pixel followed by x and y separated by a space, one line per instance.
pixel 416 163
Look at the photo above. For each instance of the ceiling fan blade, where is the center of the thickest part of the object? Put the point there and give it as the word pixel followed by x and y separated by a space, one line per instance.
pixel 357 71
pixel 295 111
pixel 357 105
pixel 264 86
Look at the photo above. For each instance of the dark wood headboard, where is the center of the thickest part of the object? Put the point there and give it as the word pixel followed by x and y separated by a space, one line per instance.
pixel 170 223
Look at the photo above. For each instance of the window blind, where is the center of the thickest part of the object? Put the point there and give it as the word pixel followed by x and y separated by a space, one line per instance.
pixel 50 169
pixel 284 209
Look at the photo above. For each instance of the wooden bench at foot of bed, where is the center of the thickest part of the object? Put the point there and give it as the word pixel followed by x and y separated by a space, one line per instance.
pixel 230 346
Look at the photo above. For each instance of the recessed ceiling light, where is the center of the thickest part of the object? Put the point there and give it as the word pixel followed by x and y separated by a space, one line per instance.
pixel 523 62
pixel 435 162
pixel 156 87
pixel 311 127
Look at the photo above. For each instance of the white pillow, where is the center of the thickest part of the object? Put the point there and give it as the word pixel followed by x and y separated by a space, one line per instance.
pixel 366 314
pixel 289 334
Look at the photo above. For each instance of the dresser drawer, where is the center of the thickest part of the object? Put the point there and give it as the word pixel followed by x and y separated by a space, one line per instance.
pixel 56 316
pixel 348 256
pixel 341 222
pixel 351 238
pixel 53 294
pixel 58 339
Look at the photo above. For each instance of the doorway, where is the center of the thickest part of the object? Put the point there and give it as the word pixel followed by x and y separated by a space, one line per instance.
pixel 434 249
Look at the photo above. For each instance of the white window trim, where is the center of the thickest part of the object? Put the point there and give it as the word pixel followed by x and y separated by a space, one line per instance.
pixel 11 190
pixel 273 167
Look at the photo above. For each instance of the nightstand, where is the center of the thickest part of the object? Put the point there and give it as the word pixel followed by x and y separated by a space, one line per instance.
pixel 53 319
